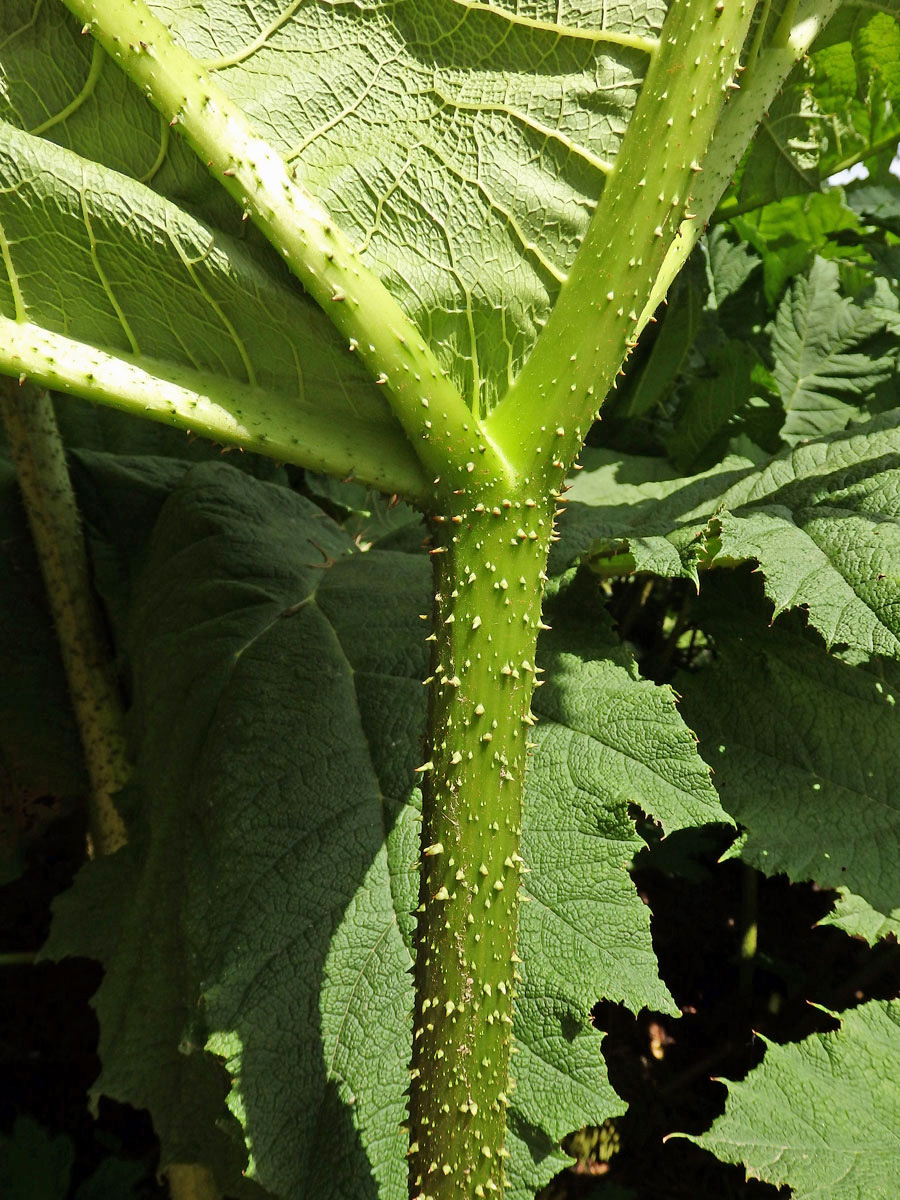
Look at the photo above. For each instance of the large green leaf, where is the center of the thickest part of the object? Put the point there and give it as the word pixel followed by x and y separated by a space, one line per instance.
pixel 466 175
pixel 822 1115
pixel 822 364
pixel 790 233
pixel 263 906
pixel 821 522
pixel 144 280
pixel 806 754
pixel 261 887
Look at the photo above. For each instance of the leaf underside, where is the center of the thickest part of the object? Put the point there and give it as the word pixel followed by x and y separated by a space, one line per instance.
pixel 469 196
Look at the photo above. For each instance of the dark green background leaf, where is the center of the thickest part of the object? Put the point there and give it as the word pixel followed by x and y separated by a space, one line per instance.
pixel 805 751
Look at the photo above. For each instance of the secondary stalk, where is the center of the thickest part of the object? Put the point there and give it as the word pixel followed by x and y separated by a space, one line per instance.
pixel 37 451
pixel 489 560
pixel 424 400
pixel 597 315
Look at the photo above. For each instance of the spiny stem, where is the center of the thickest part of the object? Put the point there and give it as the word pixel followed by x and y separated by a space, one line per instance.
pixel 37 451
pixel 445 434
pixel 549 408
pixel 762 21
pixel 19 958
pixel 740 121
pixel 224 410
pixel 782 35
pixel 489 561
pixel 749 932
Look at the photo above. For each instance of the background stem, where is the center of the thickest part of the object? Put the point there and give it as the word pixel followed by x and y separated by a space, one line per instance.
pixel 37 451
pixel 749 932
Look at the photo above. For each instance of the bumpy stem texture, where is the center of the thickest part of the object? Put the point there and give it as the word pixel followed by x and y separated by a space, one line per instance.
pixel 739 122
pixel 37 451
pixel 489 569
pixel 596 317
pixel 224 410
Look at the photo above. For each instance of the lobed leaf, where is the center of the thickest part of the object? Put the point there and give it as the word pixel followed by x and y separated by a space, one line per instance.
pixel 821 1115
pixel 820 522
pixel 790 233
pixel 821 365
pixel 804 749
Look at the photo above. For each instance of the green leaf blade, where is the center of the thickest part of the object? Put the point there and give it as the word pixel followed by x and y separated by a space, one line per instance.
pixel 821 1115
pixel 483 142
pixel 821 366
pixel 820 523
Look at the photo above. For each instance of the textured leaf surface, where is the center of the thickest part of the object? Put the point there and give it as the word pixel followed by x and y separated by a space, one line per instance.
pixel 264 908
pixel 606 740
pixel 806 754
pixel 257 704
pixel 821 366
pixel 466 175
pixel 635 513
pixel 822 1115
pixel 790 233
pixel 821 522
pixel 711 403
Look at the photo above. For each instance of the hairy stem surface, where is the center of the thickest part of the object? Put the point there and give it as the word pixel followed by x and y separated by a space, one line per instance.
pixel 489 571
pixel 224 410
pixel 738 125
pixel 37 451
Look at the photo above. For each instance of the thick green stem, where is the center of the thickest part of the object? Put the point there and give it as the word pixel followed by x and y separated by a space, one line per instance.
pixel 489 569
pixel 596 317
pixel 224 410
pixel 37 451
